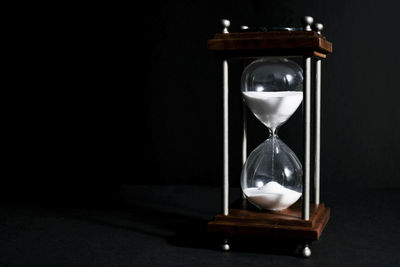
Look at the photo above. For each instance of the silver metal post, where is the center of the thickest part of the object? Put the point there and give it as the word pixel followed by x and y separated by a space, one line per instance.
pixel 225 197
pixel 318 27
pixel 244 134
pixel 307 21
pixel 317 130
pixel 307 138
pixel 244 138
pixel 225 190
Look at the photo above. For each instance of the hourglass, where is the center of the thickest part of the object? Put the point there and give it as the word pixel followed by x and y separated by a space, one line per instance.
pixel 276 185
pixel 272 175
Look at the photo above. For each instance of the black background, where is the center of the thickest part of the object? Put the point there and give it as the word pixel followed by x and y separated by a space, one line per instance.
pixel 182 99
pixel 131 95
pixel 124 95
pixel 104 97
pixel 360 110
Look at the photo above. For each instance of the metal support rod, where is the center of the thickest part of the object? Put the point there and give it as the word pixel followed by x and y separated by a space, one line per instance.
pixel 317 130
pixel 225 190
pixel 244 134
pixel 244 138
pixel 307 138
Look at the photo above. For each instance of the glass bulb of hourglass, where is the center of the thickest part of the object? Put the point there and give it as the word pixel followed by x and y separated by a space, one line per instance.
pixel 272 175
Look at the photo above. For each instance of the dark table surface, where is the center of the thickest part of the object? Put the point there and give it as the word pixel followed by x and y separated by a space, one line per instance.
pixel 164 226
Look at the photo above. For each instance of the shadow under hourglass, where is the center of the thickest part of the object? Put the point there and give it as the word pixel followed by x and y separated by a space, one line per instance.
pixel 180 215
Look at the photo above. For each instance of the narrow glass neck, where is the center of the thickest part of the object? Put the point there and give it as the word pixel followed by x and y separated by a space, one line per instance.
pixel 273 132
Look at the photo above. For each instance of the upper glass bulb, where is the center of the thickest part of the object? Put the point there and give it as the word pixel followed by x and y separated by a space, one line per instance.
pixel 272 89
pixel 272 75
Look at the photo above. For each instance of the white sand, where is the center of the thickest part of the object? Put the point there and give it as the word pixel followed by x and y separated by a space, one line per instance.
pixel 272 196
pixel 273 108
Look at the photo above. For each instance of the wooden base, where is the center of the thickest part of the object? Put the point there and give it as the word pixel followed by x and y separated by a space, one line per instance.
pixel 244 220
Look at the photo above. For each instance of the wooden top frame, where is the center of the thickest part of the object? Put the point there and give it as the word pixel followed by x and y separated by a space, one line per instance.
pixel 279 43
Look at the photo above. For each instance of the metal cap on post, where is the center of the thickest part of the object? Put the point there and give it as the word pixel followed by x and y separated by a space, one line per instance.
pixel 225 23
pixel 318 27
pixel 307 22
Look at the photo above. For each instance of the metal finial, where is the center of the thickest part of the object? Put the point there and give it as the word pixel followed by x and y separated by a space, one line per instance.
pixel 225 246
pixel 244 27
pixel 306 251
pixel 307 22
pixel 318 27
pixel 225 23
